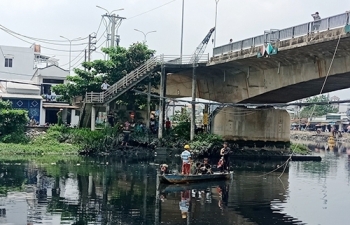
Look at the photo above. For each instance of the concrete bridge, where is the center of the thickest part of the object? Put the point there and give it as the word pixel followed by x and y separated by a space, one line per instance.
pixel 296 69
pixel 278 66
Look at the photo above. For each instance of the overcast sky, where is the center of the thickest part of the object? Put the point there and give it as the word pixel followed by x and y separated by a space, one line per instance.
pixel 238 20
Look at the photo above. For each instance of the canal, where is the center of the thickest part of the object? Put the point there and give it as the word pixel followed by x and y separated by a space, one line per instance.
pixel 54 190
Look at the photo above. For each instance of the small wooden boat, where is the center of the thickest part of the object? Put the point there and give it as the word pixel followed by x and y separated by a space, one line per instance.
pixel 183 179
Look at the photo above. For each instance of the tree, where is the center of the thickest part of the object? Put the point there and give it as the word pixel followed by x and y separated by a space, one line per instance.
pixel 121 62
pixel 12 123
pixel 317 110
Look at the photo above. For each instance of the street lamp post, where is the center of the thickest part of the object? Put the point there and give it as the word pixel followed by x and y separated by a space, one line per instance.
pixel 70 48
pixel 182 28
pixel 216 18
pixel 145 34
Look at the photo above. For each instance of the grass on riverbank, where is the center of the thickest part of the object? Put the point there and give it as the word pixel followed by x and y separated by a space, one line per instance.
pixel 299 149
pixel 35 149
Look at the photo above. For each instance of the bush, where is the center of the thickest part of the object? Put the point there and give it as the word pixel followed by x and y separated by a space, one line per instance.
pixel 300 149
pixel 204 142
pixel 12 123
pixel 183 130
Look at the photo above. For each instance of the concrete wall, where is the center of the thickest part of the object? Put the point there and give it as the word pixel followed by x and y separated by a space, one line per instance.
pixel 252 124
pixel 22 65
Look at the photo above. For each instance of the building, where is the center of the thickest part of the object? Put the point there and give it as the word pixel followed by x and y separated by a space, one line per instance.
pixel 23 96
pixel 27 78
pixel 47 78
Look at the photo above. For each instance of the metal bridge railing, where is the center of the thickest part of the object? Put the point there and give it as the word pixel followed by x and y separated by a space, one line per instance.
pixel 284 34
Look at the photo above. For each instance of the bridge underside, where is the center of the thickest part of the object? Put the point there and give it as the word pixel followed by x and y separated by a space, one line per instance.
pixel 302 90
pixel 297 71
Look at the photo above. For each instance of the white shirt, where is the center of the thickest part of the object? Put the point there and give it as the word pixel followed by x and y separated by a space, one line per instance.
pixel 185 155
pixel 104 86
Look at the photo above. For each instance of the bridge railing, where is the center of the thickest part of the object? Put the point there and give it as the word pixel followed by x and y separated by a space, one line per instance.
pixel 329 23
pixel 185 60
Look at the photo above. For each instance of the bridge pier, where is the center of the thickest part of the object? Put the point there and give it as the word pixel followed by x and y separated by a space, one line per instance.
pixel 265 126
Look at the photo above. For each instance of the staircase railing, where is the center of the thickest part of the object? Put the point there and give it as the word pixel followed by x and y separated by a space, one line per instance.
pixel 133 76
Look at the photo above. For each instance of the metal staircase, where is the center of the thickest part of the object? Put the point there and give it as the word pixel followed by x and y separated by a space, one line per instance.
pixel 126 83
pixel 134 77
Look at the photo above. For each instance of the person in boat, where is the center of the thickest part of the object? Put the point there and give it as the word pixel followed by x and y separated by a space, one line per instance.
pixel 221 163
pixel 224 152
pixel 196 168
pixel 186 163
pixel 164 169
pixel 206 167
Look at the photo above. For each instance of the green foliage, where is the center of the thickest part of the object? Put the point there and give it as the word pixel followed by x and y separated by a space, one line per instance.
pixel 319 110
pixel 12 123
pixel 203 142
pixel 121 62
pixel 182 123
pixel 181 116
pixel 300 149
pixel 183 130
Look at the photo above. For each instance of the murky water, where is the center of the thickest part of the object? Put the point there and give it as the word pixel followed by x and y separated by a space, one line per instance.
pixel 120 191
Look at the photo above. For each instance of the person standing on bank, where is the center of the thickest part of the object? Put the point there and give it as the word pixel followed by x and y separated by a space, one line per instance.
pixel 186 164
pixel 104 86
pixel 224 152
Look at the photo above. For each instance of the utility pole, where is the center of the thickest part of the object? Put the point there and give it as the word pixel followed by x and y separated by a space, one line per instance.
pixel 91 45
pixel 113 32
pixel 115 21
pixel 193 114
pixel 182 28
pixel 216 18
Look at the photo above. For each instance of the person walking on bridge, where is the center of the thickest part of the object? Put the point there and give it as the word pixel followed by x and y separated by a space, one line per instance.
pixel 317 22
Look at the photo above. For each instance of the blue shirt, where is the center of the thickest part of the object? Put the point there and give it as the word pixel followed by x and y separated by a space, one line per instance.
pixel 185 155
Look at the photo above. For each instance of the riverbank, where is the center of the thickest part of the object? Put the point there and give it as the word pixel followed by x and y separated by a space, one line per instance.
pixel 107 142
pixel 313 136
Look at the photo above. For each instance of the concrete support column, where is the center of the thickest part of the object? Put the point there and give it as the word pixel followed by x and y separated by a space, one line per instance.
pixel 90 184
pixel 149 102
pixel 42 116
pixel 107 113
pixel 64 115
pixel 93 117
pixel 193 114
pixel 161 103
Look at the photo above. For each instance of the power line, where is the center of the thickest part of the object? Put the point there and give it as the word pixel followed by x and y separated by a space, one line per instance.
pixel 152 9
pixel 21 74
pixel 54 49
pixel 19 82
pixel 33 38
pixel 76 56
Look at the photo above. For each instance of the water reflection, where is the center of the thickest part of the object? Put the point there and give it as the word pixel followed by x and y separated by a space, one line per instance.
pixel 120 191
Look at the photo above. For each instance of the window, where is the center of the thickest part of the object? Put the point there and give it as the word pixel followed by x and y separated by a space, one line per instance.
pixel 77 112
pixel 52 81
pixel 8 62
pixel 46 89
